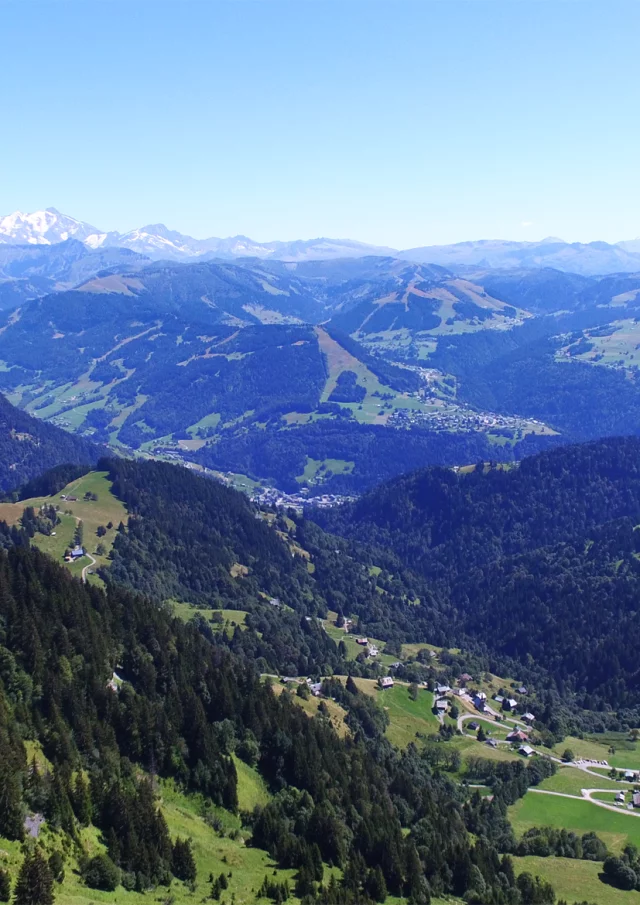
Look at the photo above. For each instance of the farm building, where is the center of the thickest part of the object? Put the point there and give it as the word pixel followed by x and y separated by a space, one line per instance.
pixel 526 750
pixel 385 682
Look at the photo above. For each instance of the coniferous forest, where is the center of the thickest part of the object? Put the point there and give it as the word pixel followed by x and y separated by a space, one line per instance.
pixel 484 561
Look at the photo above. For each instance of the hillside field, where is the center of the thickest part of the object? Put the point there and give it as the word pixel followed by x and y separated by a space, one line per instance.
pixel 578 815
pixel 93 513
pixel 573 879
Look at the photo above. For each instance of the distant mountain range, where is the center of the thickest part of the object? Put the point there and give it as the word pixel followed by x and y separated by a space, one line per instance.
pixel 156 241
pixel 160 243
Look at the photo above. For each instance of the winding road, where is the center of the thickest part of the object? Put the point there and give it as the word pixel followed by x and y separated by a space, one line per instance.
pixel 88 566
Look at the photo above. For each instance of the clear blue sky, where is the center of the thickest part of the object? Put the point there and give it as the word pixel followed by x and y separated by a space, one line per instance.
pixel 400 122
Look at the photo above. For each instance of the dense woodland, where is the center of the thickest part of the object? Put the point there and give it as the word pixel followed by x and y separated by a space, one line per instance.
pixel 28 447
pixel 184 705
pixel 536 562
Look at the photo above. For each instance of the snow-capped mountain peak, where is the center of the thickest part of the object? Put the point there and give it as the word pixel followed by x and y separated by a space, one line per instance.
pixel 157 241
pixel 42 228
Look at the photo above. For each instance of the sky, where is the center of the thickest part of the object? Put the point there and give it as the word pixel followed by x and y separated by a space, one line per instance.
pixel 396 122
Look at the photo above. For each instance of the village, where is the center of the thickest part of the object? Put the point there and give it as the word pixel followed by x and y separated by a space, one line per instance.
pixel 456 418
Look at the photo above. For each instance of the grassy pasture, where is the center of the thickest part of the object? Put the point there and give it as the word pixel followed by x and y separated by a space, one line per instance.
pixel 92 514
pixel 576 880
pixel 596 747
pixel 578 815
pixel 571 781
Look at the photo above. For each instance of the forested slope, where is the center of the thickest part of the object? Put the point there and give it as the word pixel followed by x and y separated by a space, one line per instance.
pixel 29 447
pixel 182 705
pixel 537 562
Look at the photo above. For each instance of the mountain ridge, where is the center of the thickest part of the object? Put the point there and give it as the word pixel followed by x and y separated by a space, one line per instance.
pixel 157 241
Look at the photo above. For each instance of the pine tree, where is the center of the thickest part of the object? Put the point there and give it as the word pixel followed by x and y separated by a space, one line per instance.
pixel 81 800
pixel 11 809
pixel 375 884
pixel 183 864
pixel 35 881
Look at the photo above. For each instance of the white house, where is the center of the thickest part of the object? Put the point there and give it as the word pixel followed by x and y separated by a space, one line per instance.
pixel 385 682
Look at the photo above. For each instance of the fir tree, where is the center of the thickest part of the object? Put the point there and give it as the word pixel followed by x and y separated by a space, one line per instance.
pixel 35 880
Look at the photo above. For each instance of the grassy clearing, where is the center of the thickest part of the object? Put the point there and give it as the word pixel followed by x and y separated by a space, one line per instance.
pixel 579 815
pixel 106 509
pixel 574 879
pixel 627 753
pixel 353 648
pixel 311 706
pixel 571 781
pixel 471 747
pixel 252 790
pixel 316 470
pixel 231 618
pixel 407 718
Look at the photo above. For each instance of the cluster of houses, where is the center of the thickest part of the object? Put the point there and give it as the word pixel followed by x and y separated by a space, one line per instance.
pixel 372 650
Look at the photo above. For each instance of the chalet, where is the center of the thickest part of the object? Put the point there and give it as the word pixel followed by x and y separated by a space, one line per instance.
pixel 362 641
pixel 274 601
pixel 510 704
pixel 443 689
pixel 77 552
pixel 492 743
pixel 432 654
pixel 71 499
pixel 396 665
pixel 522 690
pixel 630 776
pixel 498 698
pixel 619 797
pixel 526 750
pixel 636 799
pixel 373 650
pixel 385 682
pixel 474 726
pixel 517 735
pixel 315 688
pixel 464 678
pixel 528 718
pixel 480 700
pixel 442 705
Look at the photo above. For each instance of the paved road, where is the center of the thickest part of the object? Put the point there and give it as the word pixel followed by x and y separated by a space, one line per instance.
pixel 88 566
